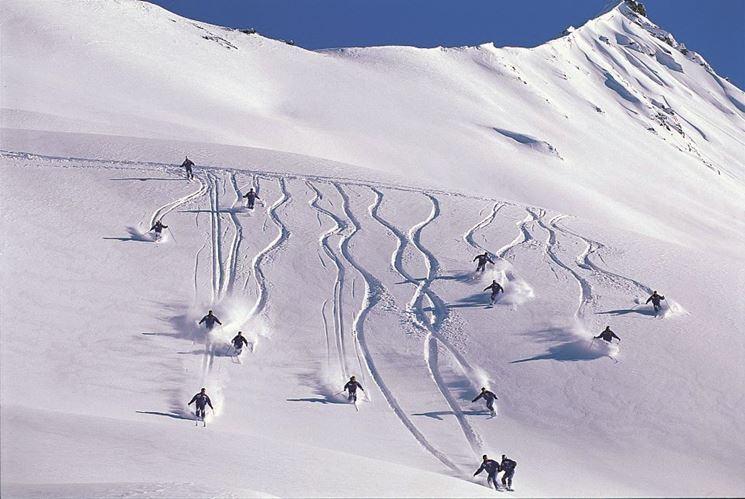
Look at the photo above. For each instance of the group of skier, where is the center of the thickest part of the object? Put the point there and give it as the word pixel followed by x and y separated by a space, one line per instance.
pixel 492 468
pixel 251 196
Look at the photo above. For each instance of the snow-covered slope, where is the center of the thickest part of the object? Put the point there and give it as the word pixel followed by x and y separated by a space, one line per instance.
pixel 594 168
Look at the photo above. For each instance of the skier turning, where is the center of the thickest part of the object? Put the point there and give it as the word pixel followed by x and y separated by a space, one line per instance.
pixel 495 288
pixel 492 468
pixel 158 228
pixel 655 299
pixel 351 388
pixel 508 466
pixel 607 335
pixel 209 321
pixel 202 401
pixel 483 259
pixel 188 165
pixel 238 342
pixel 489 397
pixel 251 197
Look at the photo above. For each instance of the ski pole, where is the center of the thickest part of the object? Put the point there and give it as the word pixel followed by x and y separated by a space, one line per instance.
pixel 171 232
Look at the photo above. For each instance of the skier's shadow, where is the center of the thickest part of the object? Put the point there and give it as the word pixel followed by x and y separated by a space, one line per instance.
pixel 473 301
pixel 318 400
pixel 233 209
pixel 172 414
pixel 134 235
pixel 143 179
pixel 439 414
pixel 626 311
pixel 570 349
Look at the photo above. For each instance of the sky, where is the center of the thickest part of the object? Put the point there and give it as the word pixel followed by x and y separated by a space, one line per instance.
pixel 714 28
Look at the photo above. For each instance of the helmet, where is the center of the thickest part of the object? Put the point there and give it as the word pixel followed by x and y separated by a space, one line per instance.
pixel 484 456
pixel 209 312
pixel 351 378
pixel 204 389
pixel 240 333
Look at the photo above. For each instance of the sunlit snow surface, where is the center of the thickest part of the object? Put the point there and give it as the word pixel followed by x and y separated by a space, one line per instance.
pixel 381 173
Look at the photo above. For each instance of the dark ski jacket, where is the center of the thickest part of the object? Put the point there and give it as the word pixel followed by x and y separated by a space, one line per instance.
pixel 491 467
pixel 607 335
pixel 508 464
pixel 352 386
pixel 486 395
pixel 239 341
pixel 495 288
pixel 483 259
pixel 251 195
pixel 187 164
pixel 202 400
pixel 655 298
pixel 210 320
pixel 158 226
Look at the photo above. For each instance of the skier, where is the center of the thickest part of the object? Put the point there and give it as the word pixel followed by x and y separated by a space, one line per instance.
pixel 607 335
pixel 188 164
pixel 238 341
pixel 202 401
pixel 483 259
pixel 251 196
pixel 489 397
pixel 655 299
pixel 351 387
pixel 508 466
pixel 209 321
pixel 495 289
pixel 158 228
pixel 492 468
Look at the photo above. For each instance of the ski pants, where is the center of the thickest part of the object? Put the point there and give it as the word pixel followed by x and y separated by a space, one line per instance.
pixel 250 203
pixel 189 173
pixel 507 478
pixel 490 404
pixel 481 267
pixel 201 412
pixel 492 479
pixel 494 296
pixel 352 396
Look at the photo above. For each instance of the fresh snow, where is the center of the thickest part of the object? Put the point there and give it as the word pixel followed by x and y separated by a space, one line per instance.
pixel 594 168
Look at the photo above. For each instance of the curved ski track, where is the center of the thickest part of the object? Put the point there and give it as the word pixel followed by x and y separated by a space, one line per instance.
pixel 337 305
pixel 374 291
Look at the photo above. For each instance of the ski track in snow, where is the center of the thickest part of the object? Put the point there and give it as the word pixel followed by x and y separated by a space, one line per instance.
pixel 283 233
pixel 169 207
pixel 469 236
pixel 374 291
pixel 338 290
pixel 433 327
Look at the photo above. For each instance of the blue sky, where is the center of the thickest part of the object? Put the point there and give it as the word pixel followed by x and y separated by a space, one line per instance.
pixel 714 28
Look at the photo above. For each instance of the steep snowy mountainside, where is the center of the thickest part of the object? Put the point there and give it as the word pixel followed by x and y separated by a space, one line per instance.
pixel 578 124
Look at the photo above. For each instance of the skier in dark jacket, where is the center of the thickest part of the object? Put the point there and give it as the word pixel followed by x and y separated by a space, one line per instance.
pixel 351 387
pixel 655 299
pixel 209 320
pixel 238 342
pixel 251 196
pixel 483 259
pixel 158 228
pixel 489 397
pixel 495 289
pixel 492 468
pixel 508 466
pixel 188 164
pixel 607 335
pixel 202 401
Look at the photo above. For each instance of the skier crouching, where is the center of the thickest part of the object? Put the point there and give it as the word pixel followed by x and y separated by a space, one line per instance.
pixel 508 466
pixel 158 228
pixel 655 299
pixel 489 397
pixel 239 341
pixel 482 261
pixel 492 468
pixel 606 335
pixel 495 288
pixel 351 389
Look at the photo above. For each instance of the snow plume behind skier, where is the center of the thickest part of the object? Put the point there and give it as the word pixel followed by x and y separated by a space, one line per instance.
pixel 516 290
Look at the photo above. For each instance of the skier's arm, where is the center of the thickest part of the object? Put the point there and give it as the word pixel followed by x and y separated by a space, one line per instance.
pixel 203 319
pixel 489 260
pixel 209 403
pixel 476 399
pixel 346 387
pixel 614 335
pixel 244 340
pixel 481 468
pixel 218 321
pixel 192 400
pixel 500 288
pixel 360 387
pixel 487 288
pixel 648 300
pixel 475 258
pixel 165 226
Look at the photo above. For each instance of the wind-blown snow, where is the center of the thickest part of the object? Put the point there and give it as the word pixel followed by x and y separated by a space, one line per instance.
pixel 594 169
